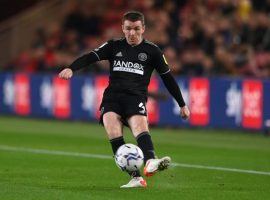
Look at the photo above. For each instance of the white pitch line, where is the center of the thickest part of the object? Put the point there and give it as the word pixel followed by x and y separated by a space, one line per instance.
pixel 87 155
pixel 221 169
pixel 53 152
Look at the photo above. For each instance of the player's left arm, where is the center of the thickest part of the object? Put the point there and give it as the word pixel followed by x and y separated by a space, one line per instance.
pixel 170 83
pixel 175 91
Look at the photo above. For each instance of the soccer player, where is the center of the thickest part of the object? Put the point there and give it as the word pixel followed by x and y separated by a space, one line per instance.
pixel 132 60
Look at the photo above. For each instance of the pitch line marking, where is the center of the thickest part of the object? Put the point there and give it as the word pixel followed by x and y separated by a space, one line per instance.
pixel 87 155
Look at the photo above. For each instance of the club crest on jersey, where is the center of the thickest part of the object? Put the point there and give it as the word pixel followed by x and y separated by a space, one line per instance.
pixel 142 56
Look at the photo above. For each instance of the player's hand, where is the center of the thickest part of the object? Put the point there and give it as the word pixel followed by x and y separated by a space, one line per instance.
pixel 65 73
pixel 184 112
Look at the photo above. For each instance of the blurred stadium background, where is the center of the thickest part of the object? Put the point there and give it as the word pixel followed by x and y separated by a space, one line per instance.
pixel 219 52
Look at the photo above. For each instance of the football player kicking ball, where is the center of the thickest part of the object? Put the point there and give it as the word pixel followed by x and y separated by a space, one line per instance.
pixel 132 60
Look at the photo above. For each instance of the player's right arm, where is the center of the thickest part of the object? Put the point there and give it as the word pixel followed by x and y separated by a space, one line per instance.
pixel 66 73
pixel 101 53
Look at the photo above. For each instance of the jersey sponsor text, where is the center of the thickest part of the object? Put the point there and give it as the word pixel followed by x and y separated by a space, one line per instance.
pixel 131 67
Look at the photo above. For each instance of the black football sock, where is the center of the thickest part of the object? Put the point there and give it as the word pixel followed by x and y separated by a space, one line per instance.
pixel 145 143
pixel 116 143
pixel 135 173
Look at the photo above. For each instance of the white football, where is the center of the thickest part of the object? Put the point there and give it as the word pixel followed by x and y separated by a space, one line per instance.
pixel 129 157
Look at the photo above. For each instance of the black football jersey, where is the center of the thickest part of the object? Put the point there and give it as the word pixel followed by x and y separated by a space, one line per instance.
pixel 131 66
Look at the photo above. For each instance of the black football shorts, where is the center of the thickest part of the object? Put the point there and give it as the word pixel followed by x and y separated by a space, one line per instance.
pixel 125 105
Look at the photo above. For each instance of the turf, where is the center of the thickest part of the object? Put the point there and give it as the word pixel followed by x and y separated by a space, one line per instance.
pixel 29 175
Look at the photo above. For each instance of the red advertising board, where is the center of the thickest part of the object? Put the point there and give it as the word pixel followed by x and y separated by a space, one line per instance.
pixel 252 104
pixel 61 98
pixel 199 101
pixel 152 105
pixel 22 94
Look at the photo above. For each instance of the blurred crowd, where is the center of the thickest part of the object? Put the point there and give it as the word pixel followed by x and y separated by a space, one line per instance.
pixel 198 37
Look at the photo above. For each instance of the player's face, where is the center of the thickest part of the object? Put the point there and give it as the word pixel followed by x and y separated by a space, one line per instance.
pixel 133 31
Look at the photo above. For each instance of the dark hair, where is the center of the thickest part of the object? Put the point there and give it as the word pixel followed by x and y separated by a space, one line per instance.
pixel 133 16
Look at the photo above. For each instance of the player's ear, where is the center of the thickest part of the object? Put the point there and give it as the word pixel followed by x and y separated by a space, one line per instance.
pixel 122 27
pixel 143 28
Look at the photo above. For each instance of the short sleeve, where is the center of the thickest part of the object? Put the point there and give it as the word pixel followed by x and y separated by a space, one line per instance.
pixel 159 62
pixel 104 52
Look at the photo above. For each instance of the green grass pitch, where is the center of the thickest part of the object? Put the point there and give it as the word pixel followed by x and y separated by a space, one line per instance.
pixel 45 159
